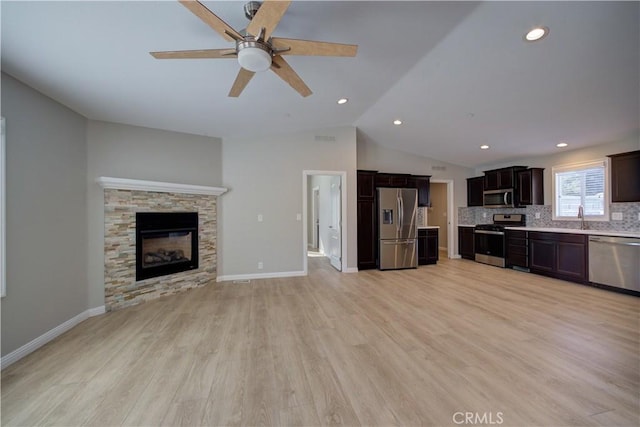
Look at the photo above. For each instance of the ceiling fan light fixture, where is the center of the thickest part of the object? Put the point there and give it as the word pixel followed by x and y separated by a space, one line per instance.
pixel 254 59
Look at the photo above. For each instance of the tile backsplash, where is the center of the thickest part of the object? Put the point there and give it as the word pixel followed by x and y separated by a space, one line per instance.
pixel 629 222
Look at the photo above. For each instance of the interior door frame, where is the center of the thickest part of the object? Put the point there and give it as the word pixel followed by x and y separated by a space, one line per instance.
pixel 450 217
pixel 306 174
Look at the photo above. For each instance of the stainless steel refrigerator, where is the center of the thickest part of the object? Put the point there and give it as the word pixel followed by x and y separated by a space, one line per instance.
pixel 397 228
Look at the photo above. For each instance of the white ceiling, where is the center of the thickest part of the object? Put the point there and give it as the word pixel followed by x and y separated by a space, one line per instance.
pixel 457 73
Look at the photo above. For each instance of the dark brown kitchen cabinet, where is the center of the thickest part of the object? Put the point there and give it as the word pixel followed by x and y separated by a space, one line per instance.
pixel 423 184
pixel 625 177
pixel 560 255
pixel 499 179
pixel 530 187
pixel 367 223
pixel 517 251
pixel 427 246
pixel 475 189
pixel 392 180
pixel 465 242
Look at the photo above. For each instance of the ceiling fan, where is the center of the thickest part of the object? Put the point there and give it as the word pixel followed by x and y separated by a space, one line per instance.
pixel 255 49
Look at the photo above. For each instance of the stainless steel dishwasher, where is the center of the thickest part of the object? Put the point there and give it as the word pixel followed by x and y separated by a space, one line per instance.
pixel 615 261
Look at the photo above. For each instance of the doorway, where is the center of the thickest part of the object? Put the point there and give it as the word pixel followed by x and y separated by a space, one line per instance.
pixel 324 209
pixel 440 213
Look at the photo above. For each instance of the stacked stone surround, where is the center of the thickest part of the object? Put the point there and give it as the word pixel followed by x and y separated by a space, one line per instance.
pixel 121 288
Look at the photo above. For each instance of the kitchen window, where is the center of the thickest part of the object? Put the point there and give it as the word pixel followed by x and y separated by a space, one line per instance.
pixel 581 184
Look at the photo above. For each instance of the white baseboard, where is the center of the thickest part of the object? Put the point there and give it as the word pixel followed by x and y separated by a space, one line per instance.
pixel 456 256
pixel 35 344
pixel 260 276
pixel 350 270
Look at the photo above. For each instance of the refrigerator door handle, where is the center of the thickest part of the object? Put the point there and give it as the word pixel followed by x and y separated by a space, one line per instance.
pixel 398 216
pixel 401 212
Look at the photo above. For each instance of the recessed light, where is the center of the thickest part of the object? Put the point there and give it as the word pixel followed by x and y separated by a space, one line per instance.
pixel 536 34
pixel 343 101
pixel 397 122
pixel 484 147
pixel 561 144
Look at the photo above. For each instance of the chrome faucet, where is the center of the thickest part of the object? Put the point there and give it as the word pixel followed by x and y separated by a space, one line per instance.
pixel 581 216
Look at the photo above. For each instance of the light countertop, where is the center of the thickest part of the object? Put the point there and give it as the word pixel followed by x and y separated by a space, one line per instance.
pixel 466 225
pixel 424 227
pixel 578 231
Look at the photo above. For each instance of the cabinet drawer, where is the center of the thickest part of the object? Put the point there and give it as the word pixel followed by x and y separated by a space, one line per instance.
pixel 517 250
pixel 519 260
pixel 558 237
pixel 516 234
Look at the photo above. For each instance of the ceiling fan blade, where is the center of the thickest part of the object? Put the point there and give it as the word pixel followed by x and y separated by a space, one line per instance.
pixel 268 17
pixel 195 54
pixel 242 79
pixel 286 73
pixel 210 18
pixel 313 48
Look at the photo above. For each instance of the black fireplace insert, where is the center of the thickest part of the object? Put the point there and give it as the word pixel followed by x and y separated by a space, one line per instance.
pixel 166 243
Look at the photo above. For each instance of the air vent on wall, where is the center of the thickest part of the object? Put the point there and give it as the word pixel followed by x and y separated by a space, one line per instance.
pixel 326 138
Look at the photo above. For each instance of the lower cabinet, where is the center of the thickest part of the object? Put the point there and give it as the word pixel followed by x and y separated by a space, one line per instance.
pixel 367 235
pixel 427 246
pixel 517 251
pixel 465 242
pixel 560 255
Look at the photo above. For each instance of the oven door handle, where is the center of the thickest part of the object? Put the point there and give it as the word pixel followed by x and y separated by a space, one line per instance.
pixel 495 233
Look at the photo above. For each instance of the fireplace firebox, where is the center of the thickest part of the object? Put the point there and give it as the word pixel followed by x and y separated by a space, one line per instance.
pixel 166 243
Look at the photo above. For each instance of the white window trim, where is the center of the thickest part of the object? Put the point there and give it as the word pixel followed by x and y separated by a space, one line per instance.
pixel 3 213
pixel 582 165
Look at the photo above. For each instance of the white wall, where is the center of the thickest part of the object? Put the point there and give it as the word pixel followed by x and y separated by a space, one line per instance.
pixel 46 215
pixel 265 176
pixel 124 151
pixel 564 156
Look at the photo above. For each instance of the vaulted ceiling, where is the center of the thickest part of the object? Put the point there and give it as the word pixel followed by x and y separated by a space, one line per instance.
pixel 458 74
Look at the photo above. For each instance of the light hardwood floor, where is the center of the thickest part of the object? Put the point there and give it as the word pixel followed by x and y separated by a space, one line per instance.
pixel 411 347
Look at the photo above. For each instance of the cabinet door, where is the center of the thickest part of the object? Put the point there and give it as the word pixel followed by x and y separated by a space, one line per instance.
pixel 367 235
pixel 432 246
pixel 423 185
pixel 465 242
pixel 491 180
pixel 572 261
pixel 517 249
pixel 422 247
pixel 475 189
pixel 625 177
pixel 505 178
pixel 530 187
pixel 366 185
pixel 542 256
pixel 524 188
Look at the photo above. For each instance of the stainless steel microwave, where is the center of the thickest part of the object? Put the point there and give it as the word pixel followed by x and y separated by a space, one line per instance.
pixel 499 198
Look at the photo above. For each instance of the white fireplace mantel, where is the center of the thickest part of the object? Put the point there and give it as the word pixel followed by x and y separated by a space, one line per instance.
pixel 157 186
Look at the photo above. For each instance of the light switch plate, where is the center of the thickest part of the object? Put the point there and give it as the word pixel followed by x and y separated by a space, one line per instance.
pixel 259 217
pixel 537 215
pixel 616 216
pixel 298 217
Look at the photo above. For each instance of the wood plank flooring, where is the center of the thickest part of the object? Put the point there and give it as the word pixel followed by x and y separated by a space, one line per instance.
pixel 411 347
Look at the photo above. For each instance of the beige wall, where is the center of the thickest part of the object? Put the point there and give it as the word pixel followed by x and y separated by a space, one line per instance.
pixel 46 215
pixel 265 176
pixel 124 151
pixel 437 213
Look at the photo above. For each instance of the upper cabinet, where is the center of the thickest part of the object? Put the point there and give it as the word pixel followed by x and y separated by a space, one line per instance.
pixel 529 185
pixel 625 177
pixel 500 179
pixel 366 185
pixel 392 180
pixel 423 184
pixel 475 188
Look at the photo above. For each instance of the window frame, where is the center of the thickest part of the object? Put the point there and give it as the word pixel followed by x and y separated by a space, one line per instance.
pixel 602 162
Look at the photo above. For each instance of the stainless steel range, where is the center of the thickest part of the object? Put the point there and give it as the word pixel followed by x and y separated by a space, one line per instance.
pixel 489 239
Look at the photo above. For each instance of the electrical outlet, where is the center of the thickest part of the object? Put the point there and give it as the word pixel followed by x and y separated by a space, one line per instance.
pixel 616 216
pixel 484 214
pixel 259 217
pixel 260 265
pixel 298 217
pixel 537 215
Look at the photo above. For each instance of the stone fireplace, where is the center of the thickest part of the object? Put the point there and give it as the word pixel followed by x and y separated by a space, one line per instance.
pixel 159 239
